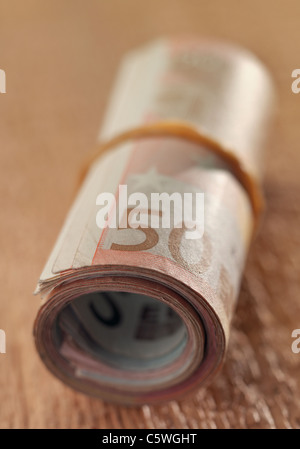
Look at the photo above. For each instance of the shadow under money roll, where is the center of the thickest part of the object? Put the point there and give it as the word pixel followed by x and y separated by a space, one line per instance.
pixel 140 288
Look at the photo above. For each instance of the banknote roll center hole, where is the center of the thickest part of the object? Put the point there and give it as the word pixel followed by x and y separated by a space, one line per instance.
pixel 127 331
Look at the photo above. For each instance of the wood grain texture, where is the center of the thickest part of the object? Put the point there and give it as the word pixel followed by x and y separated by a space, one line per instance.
pixel 60 58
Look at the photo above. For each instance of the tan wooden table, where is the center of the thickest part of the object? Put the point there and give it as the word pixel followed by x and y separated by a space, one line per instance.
pixel 60 57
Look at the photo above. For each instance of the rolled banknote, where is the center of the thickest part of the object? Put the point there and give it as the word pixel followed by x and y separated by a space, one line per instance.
pixel 140 288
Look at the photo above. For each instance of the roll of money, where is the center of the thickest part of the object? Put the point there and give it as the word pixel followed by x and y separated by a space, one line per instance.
pixel 140 288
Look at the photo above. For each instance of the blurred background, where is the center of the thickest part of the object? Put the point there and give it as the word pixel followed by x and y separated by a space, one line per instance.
pixel 60 58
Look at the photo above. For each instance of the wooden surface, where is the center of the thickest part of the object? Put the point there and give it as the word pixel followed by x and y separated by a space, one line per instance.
pixel 60 57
